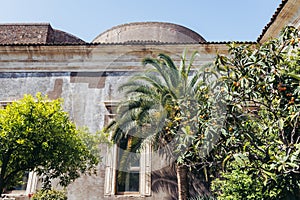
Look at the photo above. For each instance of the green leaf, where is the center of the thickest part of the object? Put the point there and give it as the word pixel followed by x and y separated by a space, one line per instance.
pixel 240 158
pixel 225 161
pixel 295 76
pixel 281 123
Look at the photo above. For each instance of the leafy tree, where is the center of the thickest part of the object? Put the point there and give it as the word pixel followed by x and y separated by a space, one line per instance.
pixel 261 138
pixel 37 135
pixel 167 107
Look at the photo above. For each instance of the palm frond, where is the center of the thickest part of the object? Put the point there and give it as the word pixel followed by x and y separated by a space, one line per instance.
pixel 156 85
pixel 110 126
pixel 160 69
pixel 193 82
pixel 191 62
pixel 172 70
pixel 182 67
pixel 169 62
pixel 117 135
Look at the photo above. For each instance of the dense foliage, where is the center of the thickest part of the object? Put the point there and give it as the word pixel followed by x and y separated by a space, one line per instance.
pixel 260 146
pixel 50 195
pixel 37 135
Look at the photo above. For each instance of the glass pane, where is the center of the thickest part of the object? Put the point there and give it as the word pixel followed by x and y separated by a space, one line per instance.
pixel 128 182
pixel 127 158
pixel 135 160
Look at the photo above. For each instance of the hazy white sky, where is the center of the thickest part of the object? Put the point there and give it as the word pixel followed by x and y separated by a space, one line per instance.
pixel 215 20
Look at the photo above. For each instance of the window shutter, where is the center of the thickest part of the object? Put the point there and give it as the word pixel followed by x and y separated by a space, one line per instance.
pixel 110 171
pixel 111 154
pixel 32 183
pixel 145 172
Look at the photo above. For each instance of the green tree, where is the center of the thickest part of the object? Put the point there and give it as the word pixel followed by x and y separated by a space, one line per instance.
pixel 166 106
pixel 37 135
pixel 261 138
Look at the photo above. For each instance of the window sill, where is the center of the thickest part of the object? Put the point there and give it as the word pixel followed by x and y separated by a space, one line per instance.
pixel 128 194
pixel 14 196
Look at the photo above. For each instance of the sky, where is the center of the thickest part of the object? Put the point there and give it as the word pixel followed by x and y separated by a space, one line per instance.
pixel 215 20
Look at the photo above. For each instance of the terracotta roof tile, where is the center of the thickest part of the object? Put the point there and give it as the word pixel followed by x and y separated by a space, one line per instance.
pixel 273 18
pixel 34 33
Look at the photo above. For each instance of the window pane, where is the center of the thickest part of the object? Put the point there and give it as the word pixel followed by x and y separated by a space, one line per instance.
pixel 126 158
pixel 128 182
pixel 135 160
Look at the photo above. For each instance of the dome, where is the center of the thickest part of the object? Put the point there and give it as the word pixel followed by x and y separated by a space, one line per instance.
pixel 158 32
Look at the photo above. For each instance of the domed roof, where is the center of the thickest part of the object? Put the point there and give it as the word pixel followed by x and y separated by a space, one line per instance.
pixel 158 32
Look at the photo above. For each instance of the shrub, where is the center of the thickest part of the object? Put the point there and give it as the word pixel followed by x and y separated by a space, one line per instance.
pixel 50 195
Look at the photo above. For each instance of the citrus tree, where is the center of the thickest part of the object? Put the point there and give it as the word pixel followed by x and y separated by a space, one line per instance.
pixel 37 135
pixel 260 145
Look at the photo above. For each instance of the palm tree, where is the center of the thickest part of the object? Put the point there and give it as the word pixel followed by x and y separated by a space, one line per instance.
pixel 164 106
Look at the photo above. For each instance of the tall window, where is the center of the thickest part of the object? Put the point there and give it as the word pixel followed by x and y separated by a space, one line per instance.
pixel 126 173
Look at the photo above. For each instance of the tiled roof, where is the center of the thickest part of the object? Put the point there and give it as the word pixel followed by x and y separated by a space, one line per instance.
pixel 130 43
pixel 34 33
pixel 138 42
pixel 278 10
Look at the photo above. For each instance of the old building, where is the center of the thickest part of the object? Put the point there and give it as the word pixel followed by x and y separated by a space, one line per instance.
pixel 37 58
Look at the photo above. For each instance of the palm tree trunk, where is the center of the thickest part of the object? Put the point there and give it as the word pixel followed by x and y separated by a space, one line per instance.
pixel 182 182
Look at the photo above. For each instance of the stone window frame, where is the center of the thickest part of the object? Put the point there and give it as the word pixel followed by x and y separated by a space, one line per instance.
pixel 32 180
pixel 111 164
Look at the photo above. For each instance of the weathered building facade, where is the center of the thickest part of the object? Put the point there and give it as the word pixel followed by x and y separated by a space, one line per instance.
pixel 37 58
